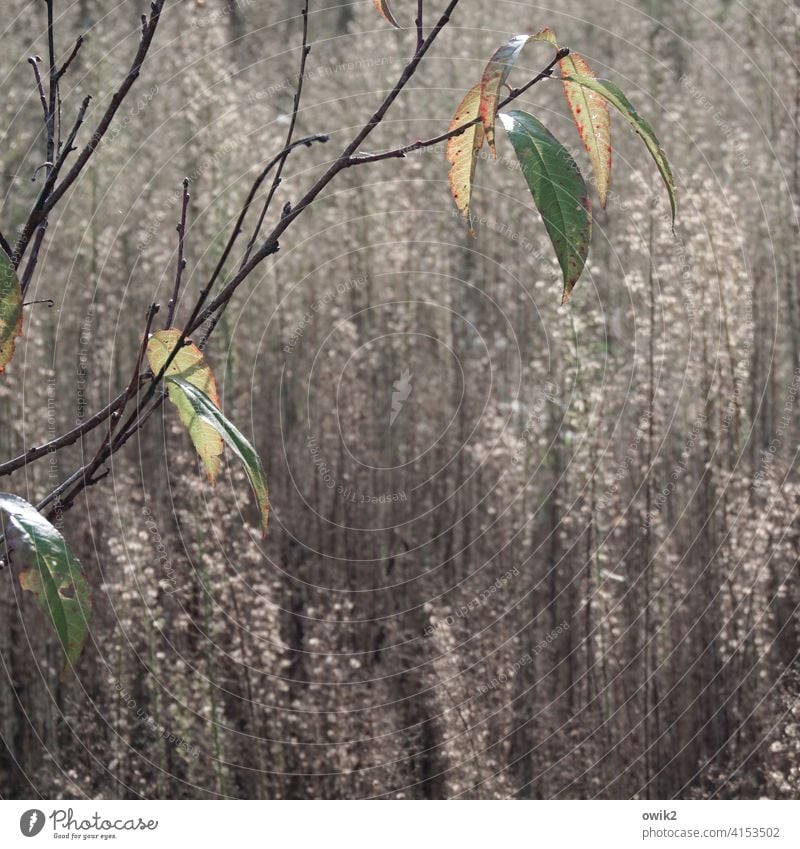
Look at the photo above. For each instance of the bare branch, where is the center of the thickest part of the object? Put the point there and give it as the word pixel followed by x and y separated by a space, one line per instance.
pixel 181 228
pixel 53 84
pixel 270 245
pixel 33 61
pixel 51 194
pixel 305 50
pixel 85 476
pixel 135 382
pixel 307 141
pixel 73 133
pixel 400 152
pixel 69 438
pixel 63 69
pixel 30 266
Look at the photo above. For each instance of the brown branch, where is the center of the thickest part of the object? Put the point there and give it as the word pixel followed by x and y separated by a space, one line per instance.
pixel 400 152
pixel 304 51
pixel 73 134
pixel 270 244
pixel 307 141
pixel 181 228
pixel 33 61
pixel 53 84
pixel 83 476
pixel 418 24
pixel 69 438
pixel 63 69
pixel 133 386
pixel 33 258
pixel 52 194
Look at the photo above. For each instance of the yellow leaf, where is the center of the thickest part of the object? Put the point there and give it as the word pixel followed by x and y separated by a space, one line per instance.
pixel 189 365
pixel 462 151
pixel 547 35
pixel 10 310
pixel 593 120
pixel 383 7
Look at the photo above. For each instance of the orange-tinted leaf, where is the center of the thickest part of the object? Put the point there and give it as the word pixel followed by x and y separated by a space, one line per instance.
pixel 593 120
pixel 496 73
pixel 189 364
pixel 462 151
pixel 10 310
pixel 494 76
pixel 613 94
pixel 383 7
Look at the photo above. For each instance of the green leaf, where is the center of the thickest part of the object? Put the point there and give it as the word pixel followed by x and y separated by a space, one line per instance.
pixel 10 310
pixel 558 190
pixel 205 409
pixel 617 99
pixel 52 573
pixel 190 364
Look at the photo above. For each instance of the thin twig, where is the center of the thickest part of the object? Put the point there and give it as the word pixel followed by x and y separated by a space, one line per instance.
pixel 53 85
pixel 52 194
pixel 305 50
pixel 30 266
pixel 307 141
pixel 270 244
pixel 69 438
pixel 87 473
pixel 34 63
pixel 69 145
pixel 181 228
pixel 135 382
pixel 82 478
pixel 400 152
pixel 418 23
pixel 63 69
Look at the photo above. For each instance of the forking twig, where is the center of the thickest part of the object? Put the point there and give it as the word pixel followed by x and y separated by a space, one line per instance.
pixel 208 316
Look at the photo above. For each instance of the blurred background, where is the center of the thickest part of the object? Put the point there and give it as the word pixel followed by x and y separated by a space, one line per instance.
pixel 516 550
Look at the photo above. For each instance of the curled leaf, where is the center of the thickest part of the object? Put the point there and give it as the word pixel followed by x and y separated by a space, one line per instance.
pixel 496 73
pixel 494 76
pixel 592 118
pixel 558 190
pixel 384 9
pixel 190 365
pixel 10 310
pixel 52 573
pixel 617 99
pixel 209 412
pixel 462 151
